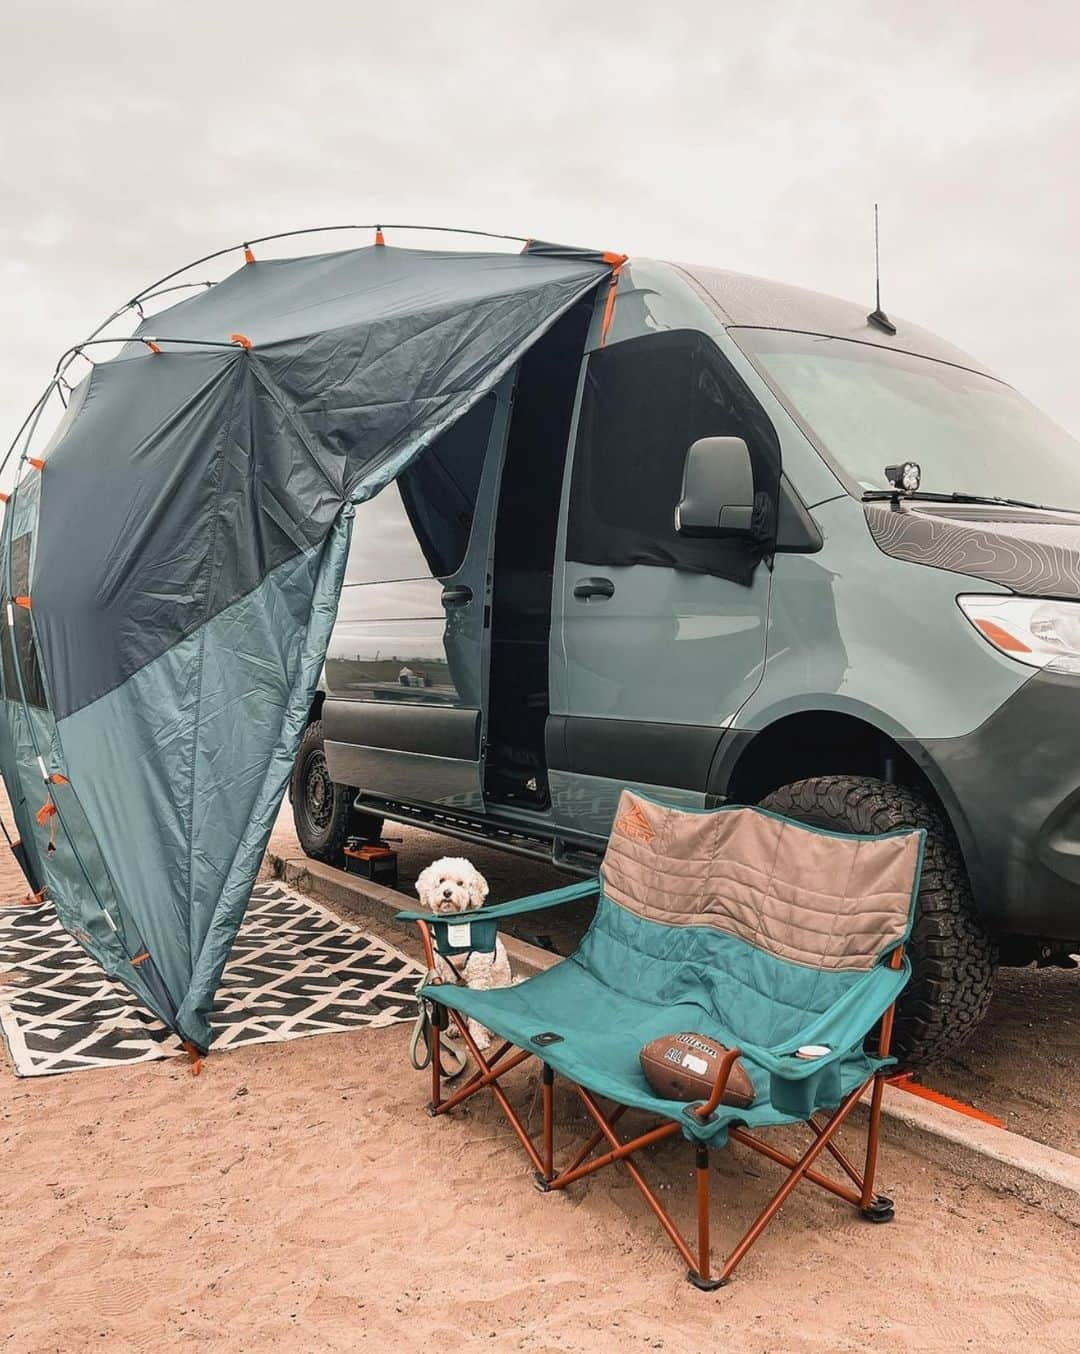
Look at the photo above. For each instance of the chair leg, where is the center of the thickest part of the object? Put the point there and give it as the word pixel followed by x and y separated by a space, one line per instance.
pixel 622 1152
pixel 700 1277
pixel 548 1092
pixel 489 1077
pixel 838 1156
pixel 874 1207
pixel 798 1172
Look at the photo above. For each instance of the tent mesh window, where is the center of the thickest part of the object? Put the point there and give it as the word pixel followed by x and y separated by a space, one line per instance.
pixel 25 650
pixel 439 489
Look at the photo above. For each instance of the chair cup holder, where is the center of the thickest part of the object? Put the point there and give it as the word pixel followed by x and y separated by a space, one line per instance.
pixel 801 1096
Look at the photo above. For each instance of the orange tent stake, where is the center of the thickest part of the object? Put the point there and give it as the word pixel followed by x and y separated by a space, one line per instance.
pixel 903 1081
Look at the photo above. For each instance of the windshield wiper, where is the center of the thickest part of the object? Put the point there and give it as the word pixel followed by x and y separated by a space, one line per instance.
pixel 925 496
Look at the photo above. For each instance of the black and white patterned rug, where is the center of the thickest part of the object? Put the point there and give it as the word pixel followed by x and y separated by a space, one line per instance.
pixel 295 970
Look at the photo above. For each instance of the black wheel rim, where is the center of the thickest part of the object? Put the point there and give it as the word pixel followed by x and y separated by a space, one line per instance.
pixel 318 793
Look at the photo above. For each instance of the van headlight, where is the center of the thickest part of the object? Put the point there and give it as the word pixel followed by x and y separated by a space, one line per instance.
pixel 1040 633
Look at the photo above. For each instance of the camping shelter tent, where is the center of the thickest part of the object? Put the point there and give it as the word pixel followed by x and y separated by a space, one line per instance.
pixel 172 563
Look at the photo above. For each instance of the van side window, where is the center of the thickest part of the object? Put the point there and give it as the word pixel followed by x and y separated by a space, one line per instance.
pixel 644 402
pixel 419 526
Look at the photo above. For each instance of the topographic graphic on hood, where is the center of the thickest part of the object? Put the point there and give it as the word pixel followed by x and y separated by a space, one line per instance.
pixel 1031 551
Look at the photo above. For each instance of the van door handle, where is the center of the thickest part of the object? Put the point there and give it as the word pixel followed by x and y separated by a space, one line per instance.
pixel 585 588
pixel 456 594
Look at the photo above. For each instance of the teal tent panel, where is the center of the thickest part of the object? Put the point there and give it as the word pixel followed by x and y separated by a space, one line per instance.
pixel 187 765
pixel 225 895
pixel 22 809
pixel 74 870
pixel 22 781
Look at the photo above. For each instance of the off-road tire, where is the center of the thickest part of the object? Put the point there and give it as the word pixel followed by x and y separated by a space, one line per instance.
pixel 322 810
pixel 953 957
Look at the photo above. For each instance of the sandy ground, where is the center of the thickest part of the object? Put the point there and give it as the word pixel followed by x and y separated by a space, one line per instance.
pixel 295 1196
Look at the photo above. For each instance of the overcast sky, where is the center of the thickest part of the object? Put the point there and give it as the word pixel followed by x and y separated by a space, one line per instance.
pixel 136 136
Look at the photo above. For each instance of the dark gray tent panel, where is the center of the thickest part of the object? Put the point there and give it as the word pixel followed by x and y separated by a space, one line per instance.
pixel 172 573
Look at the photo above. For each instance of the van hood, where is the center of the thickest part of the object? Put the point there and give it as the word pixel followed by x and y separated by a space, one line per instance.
pixel 1032 551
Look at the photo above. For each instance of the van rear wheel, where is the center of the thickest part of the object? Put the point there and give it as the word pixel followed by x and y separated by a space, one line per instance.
pixel 322 810
pixel 953 957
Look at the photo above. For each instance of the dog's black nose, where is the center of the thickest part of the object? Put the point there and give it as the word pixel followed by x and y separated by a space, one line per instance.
pixel 448 893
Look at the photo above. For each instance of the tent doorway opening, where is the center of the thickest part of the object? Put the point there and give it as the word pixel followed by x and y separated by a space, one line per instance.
pixel 524 561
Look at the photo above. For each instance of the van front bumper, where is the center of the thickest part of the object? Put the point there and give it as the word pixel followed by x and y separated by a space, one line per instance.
pixel 1012 790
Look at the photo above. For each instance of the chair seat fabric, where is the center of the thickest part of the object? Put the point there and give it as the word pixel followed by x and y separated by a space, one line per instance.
pixel 602 1033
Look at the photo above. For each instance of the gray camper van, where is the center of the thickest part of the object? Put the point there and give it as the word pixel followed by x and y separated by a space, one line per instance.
pixel 697 558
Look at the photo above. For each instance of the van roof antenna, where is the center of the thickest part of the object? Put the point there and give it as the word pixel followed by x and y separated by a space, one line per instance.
pixel 877 315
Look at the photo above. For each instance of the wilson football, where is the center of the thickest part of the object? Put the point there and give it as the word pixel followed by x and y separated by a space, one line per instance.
pixel 684 1066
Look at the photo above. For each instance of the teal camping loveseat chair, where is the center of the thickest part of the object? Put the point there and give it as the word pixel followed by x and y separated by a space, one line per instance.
pixel 735 923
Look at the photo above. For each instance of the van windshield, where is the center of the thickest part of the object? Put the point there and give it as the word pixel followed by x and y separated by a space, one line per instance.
pixel 868 407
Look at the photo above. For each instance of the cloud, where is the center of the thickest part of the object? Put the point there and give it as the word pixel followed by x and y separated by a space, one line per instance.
pixel 134 137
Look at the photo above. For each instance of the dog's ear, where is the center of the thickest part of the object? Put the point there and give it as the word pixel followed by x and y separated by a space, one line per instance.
pixel 478 888
pixel 425 881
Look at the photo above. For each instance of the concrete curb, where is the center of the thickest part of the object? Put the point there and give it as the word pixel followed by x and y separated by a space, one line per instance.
pixel 1002 1160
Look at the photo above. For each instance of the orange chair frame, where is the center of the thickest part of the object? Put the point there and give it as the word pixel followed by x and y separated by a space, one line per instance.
pixel 860 1192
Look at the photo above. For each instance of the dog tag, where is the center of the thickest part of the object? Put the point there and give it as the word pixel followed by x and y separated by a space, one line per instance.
pixel 459 935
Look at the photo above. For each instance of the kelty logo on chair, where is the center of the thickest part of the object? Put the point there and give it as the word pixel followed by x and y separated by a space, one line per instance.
pixel 635 825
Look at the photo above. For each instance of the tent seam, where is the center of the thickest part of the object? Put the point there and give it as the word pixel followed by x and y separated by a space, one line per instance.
pixel 294 423
pixel 201 628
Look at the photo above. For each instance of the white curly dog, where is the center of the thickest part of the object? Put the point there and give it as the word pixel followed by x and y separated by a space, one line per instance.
pixel 456 885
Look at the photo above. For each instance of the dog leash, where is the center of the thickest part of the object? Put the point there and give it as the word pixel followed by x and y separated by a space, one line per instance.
pixel 452 1060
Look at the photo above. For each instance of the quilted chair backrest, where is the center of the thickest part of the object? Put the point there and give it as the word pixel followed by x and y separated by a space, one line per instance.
pixel 759 920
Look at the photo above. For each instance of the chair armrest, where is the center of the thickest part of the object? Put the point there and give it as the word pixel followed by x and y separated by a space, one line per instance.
pixel 534 903
pixel 841 1028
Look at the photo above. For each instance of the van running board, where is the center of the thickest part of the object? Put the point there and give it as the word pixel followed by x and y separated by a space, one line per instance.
pixel 485 831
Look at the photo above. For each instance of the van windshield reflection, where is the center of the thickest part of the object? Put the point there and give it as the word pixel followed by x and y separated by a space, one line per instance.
pixel 867 407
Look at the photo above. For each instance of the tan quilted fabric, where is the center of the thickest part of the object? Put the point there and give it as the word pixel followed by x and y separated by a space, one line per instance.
pixel 828 902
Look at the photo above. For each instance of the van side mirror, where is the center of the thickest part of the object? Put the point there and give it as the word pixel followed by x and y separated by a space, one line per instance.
pixel 718 490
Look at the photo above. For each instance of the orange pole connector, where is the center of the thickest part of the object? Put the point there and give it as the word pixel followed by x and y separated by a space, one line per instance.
pixel 195 1056
pixel 22 601
pixel 38 465
pixel 242 339
pixel 616 262
pixel 379 236
pixel 151 345
pixel 249 257
pixel 4 498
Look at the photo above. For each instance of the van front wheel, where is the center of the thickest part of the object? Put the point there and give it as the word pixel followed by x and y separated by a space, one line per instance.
pixel 322 809
pixel 952 955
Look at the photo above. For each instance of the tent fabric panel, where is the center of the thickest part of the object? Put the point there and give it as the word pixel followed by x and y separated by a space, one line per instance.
pixel 279 300
pixel 128 499
pixel 170 763
pixel 188 475
pixel 23 806
pixel 74 872
pixel 272 763
pixel 437 364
